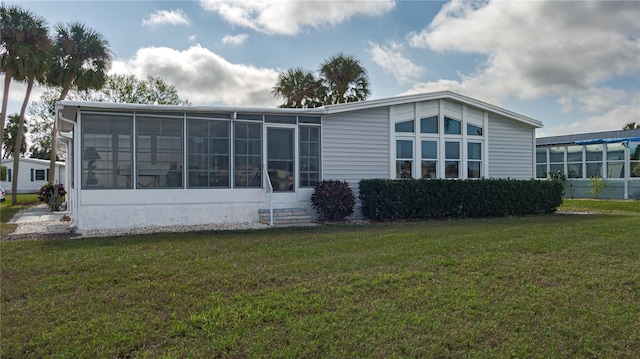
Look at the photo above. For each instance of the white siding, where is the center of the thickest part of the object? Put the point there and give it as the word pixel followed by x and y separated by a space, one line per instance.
pixel 27 183
pixel 356 146
pixel 510 149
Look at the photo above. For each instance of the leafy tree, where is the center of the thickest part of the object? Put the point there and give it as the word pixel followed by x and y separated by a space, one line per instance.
pixel 345 79
pixel 9 140
pixel 117 88
pixel 298 87
pixel 24 35
pixel 81 60
pixel 129 89
pixel 631 126
pixel 41 117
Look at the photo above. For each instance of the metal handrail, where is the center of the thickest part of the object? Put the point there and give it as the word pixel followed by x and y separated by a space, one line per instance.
pixel 270 187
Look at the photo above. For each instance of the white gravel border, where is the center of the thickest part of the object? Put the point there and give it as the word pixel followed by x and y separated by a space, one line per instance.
pixel 41 223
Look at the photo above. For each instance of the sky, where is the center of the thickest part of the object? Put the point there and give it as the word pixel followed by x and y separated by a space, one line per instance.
pixel 574 65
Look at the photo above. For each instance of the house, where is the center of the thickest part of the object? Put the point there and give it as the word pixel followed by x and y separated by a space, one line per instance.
pixel 146 165
pixel 613 156
pixel 32 174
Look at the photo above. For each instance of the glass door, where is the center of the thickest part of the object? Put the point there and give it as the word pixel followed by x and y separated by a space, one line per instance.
pixel 281 158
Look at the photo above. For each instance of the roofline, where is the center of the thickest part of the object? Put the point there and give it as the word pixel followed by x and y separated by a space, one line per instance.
pixel 318 111
pixel 34 160
pixel 352 106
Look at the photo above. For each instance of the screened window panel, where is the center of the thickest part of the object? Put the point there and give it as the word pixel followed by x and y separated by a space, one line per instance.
pixel 208 153
pixel 541 171
pixel 106 151
pixel 248 154
pixel 309 148
pixel 159 152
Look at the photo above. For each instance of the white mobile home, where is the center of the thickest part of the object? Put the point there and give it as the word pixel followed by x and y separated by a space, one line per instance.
pixel 612 155
pixel 33 173
pixel 143 165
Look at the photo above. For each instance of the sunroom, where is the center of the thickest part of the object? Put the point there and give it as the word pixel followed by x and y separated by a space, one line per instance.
pixel 613 156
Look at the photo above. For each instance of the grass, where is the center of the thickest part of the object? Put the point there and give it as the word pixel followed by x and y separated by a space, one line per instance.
pixel 552 286
pixel 7 211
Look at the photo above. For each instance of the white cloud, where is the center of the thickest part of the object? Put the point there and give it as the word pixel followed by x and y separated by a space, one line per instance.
pixel 568 50
pixel 290 17
pixel 235 39
pixel 166 17
pixel 204 77
pixel 391 60
pixel 192 38
pixel 614 119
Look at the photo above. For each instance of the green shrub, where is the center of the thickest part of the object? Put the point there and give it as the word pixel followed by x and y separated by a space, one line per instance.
pixel 426 198
pixel 597 184
pixel 333 200
pixel 47 194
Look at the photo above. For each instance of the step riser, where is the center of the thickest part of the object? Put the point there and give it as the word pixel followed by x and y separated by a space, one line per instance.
pixel 284 216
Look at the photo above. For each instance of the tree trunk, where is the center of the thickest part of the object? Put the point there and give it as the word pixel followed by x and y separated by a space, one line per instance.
pixel 18 143
pixel 54 136
pixel 5 101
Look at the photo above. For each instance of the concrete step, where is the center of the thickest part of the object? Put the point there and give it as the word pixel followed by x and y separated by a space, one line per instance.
pixel 283 216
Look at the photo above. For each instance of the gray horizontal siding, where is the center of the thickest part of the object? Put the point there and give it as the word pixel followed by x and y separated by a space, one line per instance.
pixel 511 151
pixel 355 145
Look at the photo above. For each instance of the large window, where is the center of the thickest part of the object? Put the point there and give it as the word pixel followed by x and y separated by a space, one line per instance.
pixel 248 154
pixel 106 151
pixel 309 156
pixel 634 154
pixel 615 160
pixel 452 159
pixel 556 160
pixel 452 126
pixel 474 160
pixel 429 159
pixel 429 124
pixel 404 159
pixel 208 153
pixel 574 161
pixel 159 152
pixel 594 160
pixel 473 130
pixel 405 126
pixel 541 162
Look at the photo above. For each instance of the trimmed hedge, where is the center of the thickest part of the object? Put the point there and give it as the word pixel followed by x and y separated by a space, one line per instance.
pixel 428 198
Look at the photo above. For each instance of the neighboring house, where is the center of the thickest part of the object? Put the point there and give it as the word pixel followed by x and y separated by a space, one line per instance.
pixel 32 174
pixel 144 165
pixel 612 155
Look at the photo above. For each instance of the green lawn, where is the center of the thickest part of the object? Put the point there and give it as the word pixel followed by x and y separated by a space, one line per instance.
pixel 548 286
pixel 7 211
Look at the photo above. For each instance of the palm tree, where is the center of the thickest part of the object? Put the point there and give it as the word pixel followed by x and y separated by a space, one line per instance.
pixel 345 79
pixel 22 32
pixel 297 87
pixel 81 60
pixel 631 126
